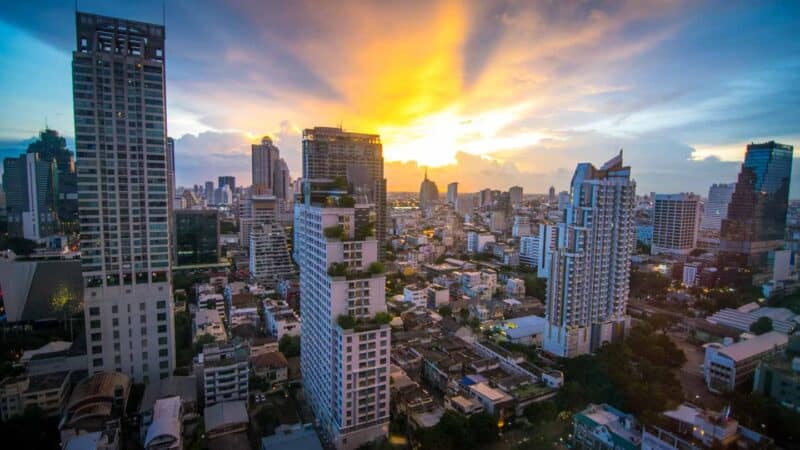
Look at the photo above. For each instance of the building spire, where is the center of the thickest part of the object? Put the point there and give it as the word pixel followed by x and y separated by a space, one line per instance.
pixel 426 173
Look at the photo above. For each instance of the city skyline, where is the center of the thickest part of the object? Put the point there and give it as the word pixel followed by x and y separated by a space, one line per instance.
pixel 615 76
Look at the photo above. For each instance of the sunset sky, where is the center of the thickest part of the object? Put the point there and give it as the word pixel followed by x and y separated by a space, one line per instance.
pixel 490 94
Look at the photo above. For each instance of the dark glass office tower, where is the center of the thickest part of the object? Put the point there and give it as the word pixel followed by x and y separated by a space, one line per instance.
pixel 756 221
pixel 196 237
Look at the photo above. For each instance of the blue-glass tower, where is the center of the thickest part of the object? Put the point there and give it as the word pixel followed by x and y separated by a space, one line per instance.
pixel 756 221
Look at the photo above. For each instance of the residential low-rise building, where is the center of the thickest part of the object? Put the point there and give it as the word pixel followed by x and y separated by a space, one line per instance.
pixel 223 372
pixel 281 319
pixel 778 377
pixel 416 295
pixel 96 405
pixel 515 287
pixel 47 392
pixel 166 430
pixel 727 366
pixel 270 367
pixel 226 425
pixel 607 428
pixel 494 401
pixel 208 322
pixel 438 296
pixel 476 241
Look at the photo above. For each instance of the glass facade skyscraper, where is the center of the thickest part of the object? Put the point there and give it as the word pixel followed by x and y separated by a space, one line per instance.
pixel 756 221
pixel 196 237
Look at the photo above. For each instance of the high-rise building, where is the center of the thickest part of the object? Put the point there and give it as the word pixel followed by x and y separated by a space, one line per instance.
pixel 485 198
pixel 521 226
pixel 675 221
pixel 222 196
pixel 452 195
pixel 264 160
pixel 282 181
pixel 515 195
pixel 346 345
pixel 716 210
pixel 270 262
pixel 756 221
pixel 255 209
pixel 171 168
pixel 227 180
pixel 196 237
pixel 208 191
pixel 355 158
pixel 588 285
pixel 52 147
pixel 428 192
pixel 551 195
pixel 124 206
pixel 30 184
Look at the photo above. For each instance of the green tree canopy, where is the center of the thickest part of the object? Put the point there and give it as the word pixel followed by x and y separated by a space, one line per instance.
pixel 762 325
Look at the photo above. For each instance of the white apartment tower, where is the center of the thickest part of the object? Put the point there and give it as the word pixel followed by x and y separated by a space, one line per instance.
pixel 719 196
pixel 345 357
pixel 255 209
pixel 269 254
pixel 675 221
pixel 123 193
pixel 587 289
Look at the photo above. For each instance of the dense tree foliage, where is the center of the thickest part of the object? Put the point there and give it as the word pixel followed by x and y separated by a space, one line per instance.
pixel 763 414
pixel 648 284
pixel 637 376
pixel 762 325
pixel 289 346
pixel 455 431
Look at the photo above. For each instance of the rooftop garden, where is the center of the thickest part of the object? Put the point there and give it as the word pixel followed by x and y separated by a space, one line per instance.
pixel 334 232
pixel 337 269
pixel 348 322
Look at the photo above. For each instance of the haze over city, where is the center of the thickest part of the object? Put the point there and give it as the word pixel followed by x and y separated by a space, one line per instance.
pixel 479 91
pixel 399 225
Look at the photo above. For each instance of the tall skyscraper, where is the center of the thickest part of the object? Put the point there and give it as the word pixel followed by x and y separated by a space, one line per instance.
pixel 428 192
pixel 52 147
pixel 719 196
pixel 124 206
pixel 264 160
pixel 355 158
pixel 515 195
pixel 254 210
pixel 452 194
pixel 756 221
pixel 345 357
pixel 171 168
pixel 208 191
pixel 675 221
pixel 227 180
pixel 30 184
pixel 588 285
pixel 551 195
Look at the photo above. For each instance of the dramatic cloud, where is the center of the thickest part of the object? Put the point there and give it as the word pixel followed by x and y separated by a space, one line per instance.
pixel 486 93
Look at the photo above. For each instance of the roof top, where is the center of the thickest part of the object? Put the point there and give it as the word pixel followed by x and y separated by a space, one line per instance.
pixel 101 384
pixel 166 420
pixel 183 387
pixel 51 347
pixel 754 346
pixel 294 438
pixel 273 360
pixel 489 392
pixel 225 413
